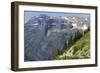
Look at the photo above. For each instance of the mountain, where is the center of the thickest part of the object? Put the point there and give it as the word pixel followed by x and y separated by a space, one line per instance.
pixel 43 34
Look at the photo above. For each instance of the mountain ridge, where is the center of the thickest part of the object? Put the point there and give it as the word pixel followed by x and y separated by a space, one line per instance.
pixel 43 33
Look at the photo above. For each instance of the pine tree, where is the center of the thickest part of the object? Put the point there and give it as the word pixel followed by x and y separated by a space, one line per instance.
pixel 64 48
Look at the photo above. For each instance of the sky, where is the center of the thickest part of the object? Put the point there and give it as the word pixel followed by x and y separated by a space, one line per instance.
pixel 29 14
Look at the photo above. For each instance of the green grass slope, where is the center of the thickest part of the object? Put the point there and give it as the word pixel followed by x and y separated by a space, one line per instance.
pixel 79 50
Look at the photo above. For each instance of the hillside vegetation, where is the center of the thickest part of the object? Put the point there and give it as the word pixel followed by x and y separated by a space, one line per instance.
pixel 79 50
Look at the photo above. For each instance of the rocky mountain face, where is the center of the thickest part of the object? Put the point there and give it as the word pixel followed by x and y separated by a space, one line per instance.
pixel 44 34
